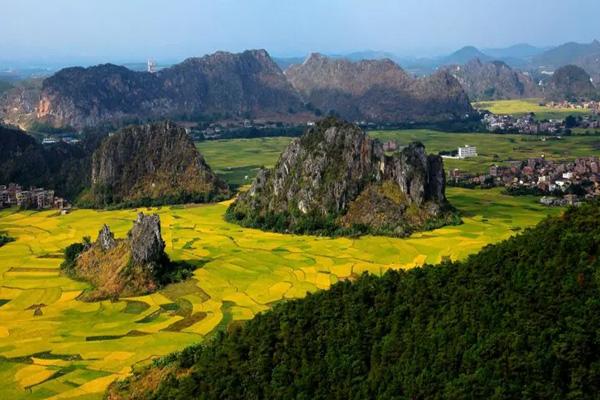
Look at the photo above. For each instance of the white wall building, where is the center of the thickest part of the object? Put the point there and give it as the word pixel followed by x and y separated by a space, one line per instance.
pixel 467 151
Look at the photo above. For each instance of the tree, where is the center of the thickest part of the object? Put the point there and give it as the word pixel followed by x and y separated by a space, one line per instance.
pixel 570 122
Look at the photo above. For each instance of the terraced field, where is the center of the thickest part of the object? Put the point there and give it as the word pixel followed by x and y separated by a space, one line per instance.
pixel 238 160
pixel 54 346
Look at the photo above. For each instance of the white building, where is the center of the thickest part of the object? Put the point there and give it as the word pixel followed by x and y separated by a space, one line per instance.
pixel 467 151
pixel 567 175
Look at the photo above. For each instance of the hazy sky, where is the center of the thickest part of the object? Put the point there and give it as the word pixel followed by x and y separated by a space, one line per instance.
pixel 122 30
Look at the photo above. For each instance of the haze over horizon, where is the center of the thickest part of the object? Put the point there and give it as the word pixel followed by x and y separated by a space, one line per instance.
pixel 64 31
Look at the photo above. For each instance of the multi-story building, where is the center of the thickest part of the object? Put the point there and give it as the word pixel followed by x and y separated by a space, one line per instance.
pixel 467 151
pixel 36 198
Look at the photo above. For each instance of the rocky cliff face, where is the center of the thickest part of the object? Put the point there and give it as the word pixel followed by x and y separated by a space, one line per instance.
pixel 243 85
pixel 18 105
pixel 145 240
pixel 152 163
pixel 125 267
pixel 493 81
pixel 570 83
pixel 335 179
pixel 377 91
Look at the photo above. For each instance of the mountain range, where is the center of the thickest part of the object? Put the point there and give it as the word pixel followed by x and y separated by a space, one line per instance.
pixel 251 85
pixel 225 86
pixel 377 90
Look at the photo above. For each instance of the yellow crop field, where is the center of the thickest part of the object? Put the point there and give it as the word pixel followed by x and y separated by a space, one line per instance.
pixel 55 346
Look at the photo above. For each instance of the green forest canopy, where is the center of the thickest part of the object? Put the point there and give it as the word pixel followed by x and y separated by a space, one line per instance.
pixel 521 319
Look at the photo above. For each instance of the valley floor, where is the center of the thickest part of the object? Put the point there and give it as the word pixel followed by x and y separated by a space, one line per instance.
pixel 54 346
pixel 238 160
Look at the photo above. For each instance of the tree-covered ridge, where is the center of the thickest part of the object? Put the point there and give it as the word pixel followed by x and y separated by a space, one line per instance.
pixel 521 319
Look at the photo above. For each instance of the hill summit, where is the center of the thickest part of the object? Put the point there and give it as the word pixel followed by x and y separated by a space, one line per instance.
pixel 493 81
pixel 377 90
pixel 570 83
pixel 336 180
pixel 226 85
pixel 150 165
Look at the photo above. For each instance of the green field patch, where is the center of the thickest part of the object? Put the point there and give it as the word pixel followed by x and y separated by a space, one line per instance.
pixel 150 317
pixel 177 290
pixel 55 256
pixel 171 307
pixel 44 355
pixel 134 333
pixel 135 307
pixel 493 148
pixel 82 375
pixel 31 269
pixel 4 301
pixel 227 316
pixel 182 307
pixel 59 373
pixel 190 244
pixel 186 322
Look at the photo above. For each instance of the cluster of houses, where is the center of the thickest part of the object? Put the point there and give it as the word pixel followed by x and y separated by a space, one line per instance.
pixel 57 139
pixel 588 122
pixel 567 182
pixel 594 106
pixel 526 124
pixel 219 129
pixel 13 195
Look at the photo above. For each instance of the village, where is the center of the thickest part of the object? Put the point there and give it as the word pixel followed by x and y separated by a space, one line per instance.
pixel 560 182
pixel 529 125
pixel 594 106
pixel 526 125
pixel 13 195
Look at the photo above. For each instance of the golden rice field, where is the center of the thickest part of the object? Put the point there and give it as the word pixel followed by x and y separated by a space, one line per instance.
pixel 53 346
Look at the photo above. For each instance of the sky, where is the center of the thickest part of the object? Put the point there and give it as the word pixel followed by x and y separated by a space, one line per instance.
pixel 171 30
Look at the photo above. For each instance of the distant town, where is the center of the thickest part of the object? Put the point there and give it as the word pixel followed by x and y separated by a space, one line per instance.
pixel 560 182
pixel 529 125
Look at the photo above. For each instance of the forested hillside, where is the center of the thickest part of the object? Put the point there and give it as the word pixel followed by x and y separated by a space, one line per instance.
pixel 521 319
pixel 62 167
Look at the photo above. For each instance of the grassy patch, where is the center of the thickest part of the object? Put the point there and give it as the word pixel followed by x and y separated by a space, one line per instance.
pixel 494 148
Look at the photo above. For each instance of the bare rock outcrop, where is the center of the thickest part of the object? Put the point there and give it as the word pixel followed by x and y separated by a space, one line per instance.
pixel 133 266
pixel 145 240
pixel 106 239
pixel 331 179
